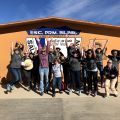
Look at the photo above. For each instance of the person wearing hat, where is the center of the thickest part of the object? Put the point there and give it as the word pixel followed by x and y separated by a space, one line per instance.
pixel 115 61
pixel 15 69
pixel 44 66
pixel 110 74
pixel 115 58
pixel 57 52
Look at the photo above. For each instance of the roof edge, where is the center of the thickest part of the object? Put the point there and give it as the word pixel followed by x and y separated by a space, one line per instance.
pixel 60 18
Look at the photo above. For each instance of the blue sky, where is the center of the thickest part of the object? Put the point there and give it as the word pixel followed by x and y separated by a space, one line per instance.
pixel 100 11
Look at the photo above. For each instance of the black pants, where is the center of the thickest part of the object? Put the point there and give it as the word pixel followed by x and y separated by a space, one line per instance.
pixel 50 71
pixel 100 68
pixel 92 79
pixel 66 72
pixel 35 77
pixel 75 79
pixel 84 78
pixel 27 74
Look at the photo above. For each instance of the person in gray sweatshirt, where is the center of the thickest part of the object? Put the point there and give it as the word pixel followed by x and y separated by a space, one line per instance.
pixel 74 62
pixel 15 69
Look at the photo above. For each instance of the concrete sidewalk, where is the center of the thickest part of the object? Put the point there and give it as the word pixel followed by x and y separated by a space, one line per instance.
pixel 84 108
pixel 24 105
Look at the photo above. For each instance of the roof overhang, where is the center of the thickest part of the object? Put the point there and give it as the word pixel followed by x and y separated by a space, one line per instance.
pixel 51 22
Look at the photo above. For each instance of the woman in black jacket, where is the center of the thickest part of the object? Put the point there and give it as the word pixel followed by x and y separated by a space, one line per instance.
pixel 92 71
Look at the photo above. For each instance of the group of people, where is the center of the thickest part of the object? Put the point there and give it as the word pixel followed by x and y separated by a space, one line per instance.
pixel 47 69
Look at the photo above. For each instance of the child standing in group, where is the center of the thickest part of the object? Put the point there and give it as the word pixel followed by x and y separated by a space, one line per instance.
pixel 57 76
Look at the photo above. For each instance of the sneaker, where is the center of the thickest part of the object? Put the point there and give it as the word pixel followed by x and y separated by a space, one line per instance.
pixel 6 92
pixel 95 94
pixel 116 95
pixel 34 89
pixel 69 92
pixel 8 87
pixel 89 93
pixel 53 95
pixel 42 93
pixel 60 92
pixel 79 93
pixel 12 87
pixel 21 82
pixel 106 96
pixel 29 88
pixel 46 91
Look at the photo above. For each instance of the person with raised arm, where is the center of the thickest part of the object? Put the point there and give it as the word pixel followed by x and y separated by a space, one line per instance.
pixel 84 69
pixel 15 68
pixel 100 52
pixel 70 48
pixel 44 66
pixel 92 71
pixel 75 67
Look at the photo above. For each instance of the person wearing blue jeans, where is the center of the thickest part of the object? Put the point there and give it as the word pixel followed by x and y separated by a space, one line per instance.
pixel 44 65
pixel 15 69
pixel 16 74
pixel 44 72
pixel 57 76
pixel 57 80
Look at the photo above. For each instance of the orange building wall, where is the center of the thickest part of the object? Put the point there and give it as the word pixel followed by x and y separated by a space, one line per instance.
pixel 7 39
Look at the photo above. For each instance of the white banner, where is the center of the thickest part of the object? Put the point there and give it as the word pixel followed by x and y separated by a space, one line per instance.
pixel 57 42
pixel 31 44
pixel 60 42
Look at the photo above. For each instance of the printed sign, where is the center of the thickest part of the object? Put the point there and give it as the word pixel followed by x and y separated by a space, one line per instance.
pixel 31 44
pixel 57 42
pixel 53 31
pixel 60 42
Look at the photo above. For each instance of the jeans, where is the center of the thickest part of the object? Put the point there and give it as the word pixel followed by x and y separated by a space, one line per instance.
pixel 57 80
pixel 16 76
pixel 110 84
pixel 92 78
pixel 75 79
pixel 44 72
